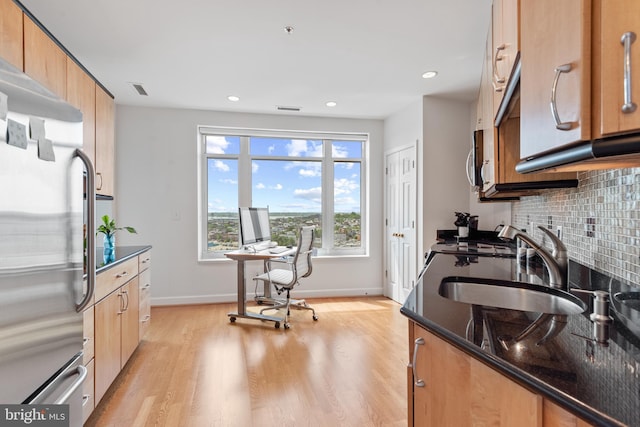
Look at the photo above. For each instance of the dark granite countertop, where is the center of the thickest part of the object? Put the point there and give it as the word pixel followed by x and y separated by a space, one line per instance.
pixel 600 384
pixel 122 253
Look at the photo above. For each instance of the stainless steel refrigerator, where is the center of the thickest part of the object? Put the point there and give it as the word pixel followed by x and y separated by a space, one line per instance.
pixel 43 175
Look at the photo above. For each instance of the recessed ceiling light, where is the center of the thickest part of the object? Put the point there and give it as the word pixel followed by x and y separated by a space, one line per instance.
pixel 233 98
pixel 331 104
pixel 429 74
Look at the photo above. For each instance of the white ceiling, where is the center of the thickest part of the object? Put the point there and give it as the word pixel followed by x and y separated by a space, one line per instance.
pixel 366 55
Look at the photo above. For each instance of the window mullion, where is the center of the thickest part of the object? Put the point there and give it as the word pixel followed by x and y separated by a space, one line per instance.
pixel 245 177
pixel 327 196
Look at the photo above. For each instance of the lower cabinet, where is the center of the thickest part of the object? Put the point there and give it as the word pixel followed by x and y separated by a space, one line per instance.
pixel 447 387
pixel 116 324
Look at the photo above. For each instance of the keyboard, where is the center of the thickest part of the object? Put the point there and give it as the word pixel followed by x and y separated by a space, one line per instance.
pixel 278 249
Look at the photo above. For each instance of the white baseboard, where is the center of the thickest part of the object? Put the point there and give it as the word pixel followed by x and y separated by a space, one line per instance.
pixel 220 298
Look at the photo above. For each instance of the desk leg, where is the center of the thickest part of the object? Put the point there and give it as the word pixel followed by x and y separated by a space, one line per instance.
pixel 242 301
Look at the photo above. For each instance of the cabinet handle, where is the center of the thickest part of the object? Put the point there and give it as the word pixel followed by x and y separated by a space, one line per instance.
pixel 119 275
pixel 85 399
pixel 126 307
pixel 469 165
pixel 417 382
pixel 99 175
pixel 497 58
pixel 147 286
pixel 146 318
pixel 484 180
pixel 560 125
pixel 144 261
pixel 85 340
pixel 627 40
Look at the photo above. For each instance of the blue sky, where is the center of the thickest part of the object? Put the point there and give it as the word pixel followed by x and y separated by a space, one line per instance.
pixel 284 186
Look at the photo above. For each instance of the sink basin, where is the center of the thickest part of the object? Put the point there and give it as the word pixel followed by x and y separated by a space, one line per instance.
pixel 510 295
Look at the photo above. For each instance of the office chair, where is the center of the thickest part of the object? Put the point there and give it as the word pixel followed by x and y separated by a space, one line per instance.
pixel 292 269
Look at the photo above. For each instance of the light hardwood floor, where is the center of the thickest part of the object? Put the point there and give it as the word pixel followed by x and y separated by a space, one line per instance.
pixel 195 368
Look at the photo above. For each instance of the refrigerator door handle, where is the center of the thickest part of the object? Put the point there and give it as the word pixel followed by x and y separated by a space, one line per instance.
pixel 81 371
pixel 91 230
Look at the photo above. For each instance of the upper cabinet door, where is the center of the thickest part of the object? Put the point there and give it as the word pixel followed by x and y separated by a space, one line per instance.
pixel 44 60
pixel 505 46
pixel 105 143
pixel 81 93
pixel 11 46
pixel 619 51
pixel 555 81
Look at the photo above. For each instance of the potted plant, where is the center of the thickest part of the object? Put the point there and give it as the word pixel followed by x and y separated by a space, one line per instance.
pixel 109 228
pixel 462 222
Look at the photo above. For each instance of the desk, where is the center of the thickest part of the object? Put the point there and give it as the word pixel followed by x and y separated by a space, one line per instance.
pixel 240 256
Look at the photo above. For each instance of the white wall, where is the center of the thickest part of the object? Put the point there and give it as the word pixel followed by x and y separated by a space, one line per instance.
pixel 156 192
pixel 446 139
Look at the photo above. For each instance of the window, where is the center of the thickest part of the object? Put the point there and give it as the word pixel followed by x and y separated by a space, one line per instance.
pixel 304 178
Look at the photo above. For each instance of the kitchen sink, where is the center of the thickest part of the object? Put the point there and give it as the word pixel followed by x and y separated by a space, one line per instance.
pixel 510 295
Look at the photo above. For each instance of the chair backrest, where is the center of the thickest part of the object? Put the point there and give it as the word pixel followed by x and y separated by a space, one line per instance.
pixel 302 258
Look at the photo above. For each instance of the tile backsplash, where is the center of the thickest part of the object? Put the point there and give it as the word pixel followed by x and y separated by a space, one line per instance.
pixel 599 220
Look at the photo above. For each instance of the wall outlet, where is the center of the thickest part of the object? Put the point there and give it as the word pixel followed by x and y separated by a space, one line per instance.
pixel 559 232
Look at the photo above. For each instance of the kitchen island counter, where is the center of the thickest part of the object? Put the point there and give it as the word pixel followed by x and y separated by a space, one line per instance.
pixel 597 383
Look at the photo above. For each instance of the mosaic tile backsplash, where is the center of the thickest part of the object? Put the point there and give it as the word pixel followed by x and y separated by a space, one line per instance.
pixel 599 220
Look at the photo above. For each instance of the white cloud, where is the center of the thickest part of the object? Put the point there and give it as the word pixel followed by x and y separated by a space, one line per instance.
pixel 221 166
pixel 271 149
pixel 260 186
pixel 344 186
pixel 309 173
pixel 275 187
pixel 339 152
pixel 228 181
pixel 254 167
pixel 304 148
pixel 216 144
pixel 314 194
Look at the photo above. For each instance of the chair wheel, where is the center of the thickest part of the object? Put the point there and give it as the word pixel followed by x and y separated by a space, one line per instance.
pixel 277 325
pixel 315 317
pixel 232 319
pixel 286 325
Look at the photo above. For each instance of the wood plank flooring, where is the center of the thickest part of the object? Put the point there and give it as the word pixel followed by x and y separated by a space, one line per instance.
pixel 195 368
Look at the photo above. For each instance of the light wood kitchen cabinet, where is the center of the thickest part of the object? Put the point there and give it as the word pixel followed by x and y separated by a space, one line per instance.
pixel 555 416
pixel 11 39
pixel 505 45
pixel 618 24
pixel 108 331
pixel 556 65
pixel 88 394
pixel 459 390
pixel 105 143
pixel 44 60
pixel 144 266
pixel 130 319
pixel 81 93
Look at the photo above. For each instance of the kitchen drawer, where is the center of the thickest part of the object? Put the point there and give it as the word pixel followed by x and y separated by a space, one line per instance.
pixel 88 345
pixel 144 261
pixel 109 280
pixel 88 393
pixel 145 302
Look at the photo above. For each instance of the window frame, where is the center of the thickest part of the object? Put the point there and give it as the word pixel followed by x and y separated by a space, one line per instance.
pixel 245 180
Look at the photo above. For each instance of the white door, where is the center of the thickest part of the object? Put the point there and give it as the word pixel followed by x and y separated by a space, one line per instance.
pixel 400 230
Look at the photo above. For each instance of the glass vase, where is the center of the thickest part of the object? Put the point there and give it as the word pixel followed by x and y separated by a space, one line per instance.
pixel 109 248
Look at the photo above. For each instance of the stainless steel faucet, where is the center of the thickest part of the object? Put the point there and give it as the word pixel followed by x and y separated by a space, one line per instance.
pixel 557 261
pixel 557 264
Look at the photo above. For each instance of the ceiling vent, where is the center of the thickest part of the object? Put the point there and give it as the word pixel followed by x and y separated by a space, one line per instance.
pixel 285 108
pixel 138 87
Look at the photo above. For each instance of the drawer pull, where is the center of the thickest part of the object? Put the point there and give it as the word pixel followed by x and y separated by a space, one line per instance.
pixel 497 57
pixel 85 399
pixel 85 340
pixel 146 260
pixel 147 286
pixel 627 40
pixel 146 318
pixel 123 274
pixel 416 381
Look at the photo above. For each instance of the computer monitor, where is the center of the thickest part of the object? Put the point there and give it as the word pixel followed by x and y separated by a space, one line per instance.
pixel 254 225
